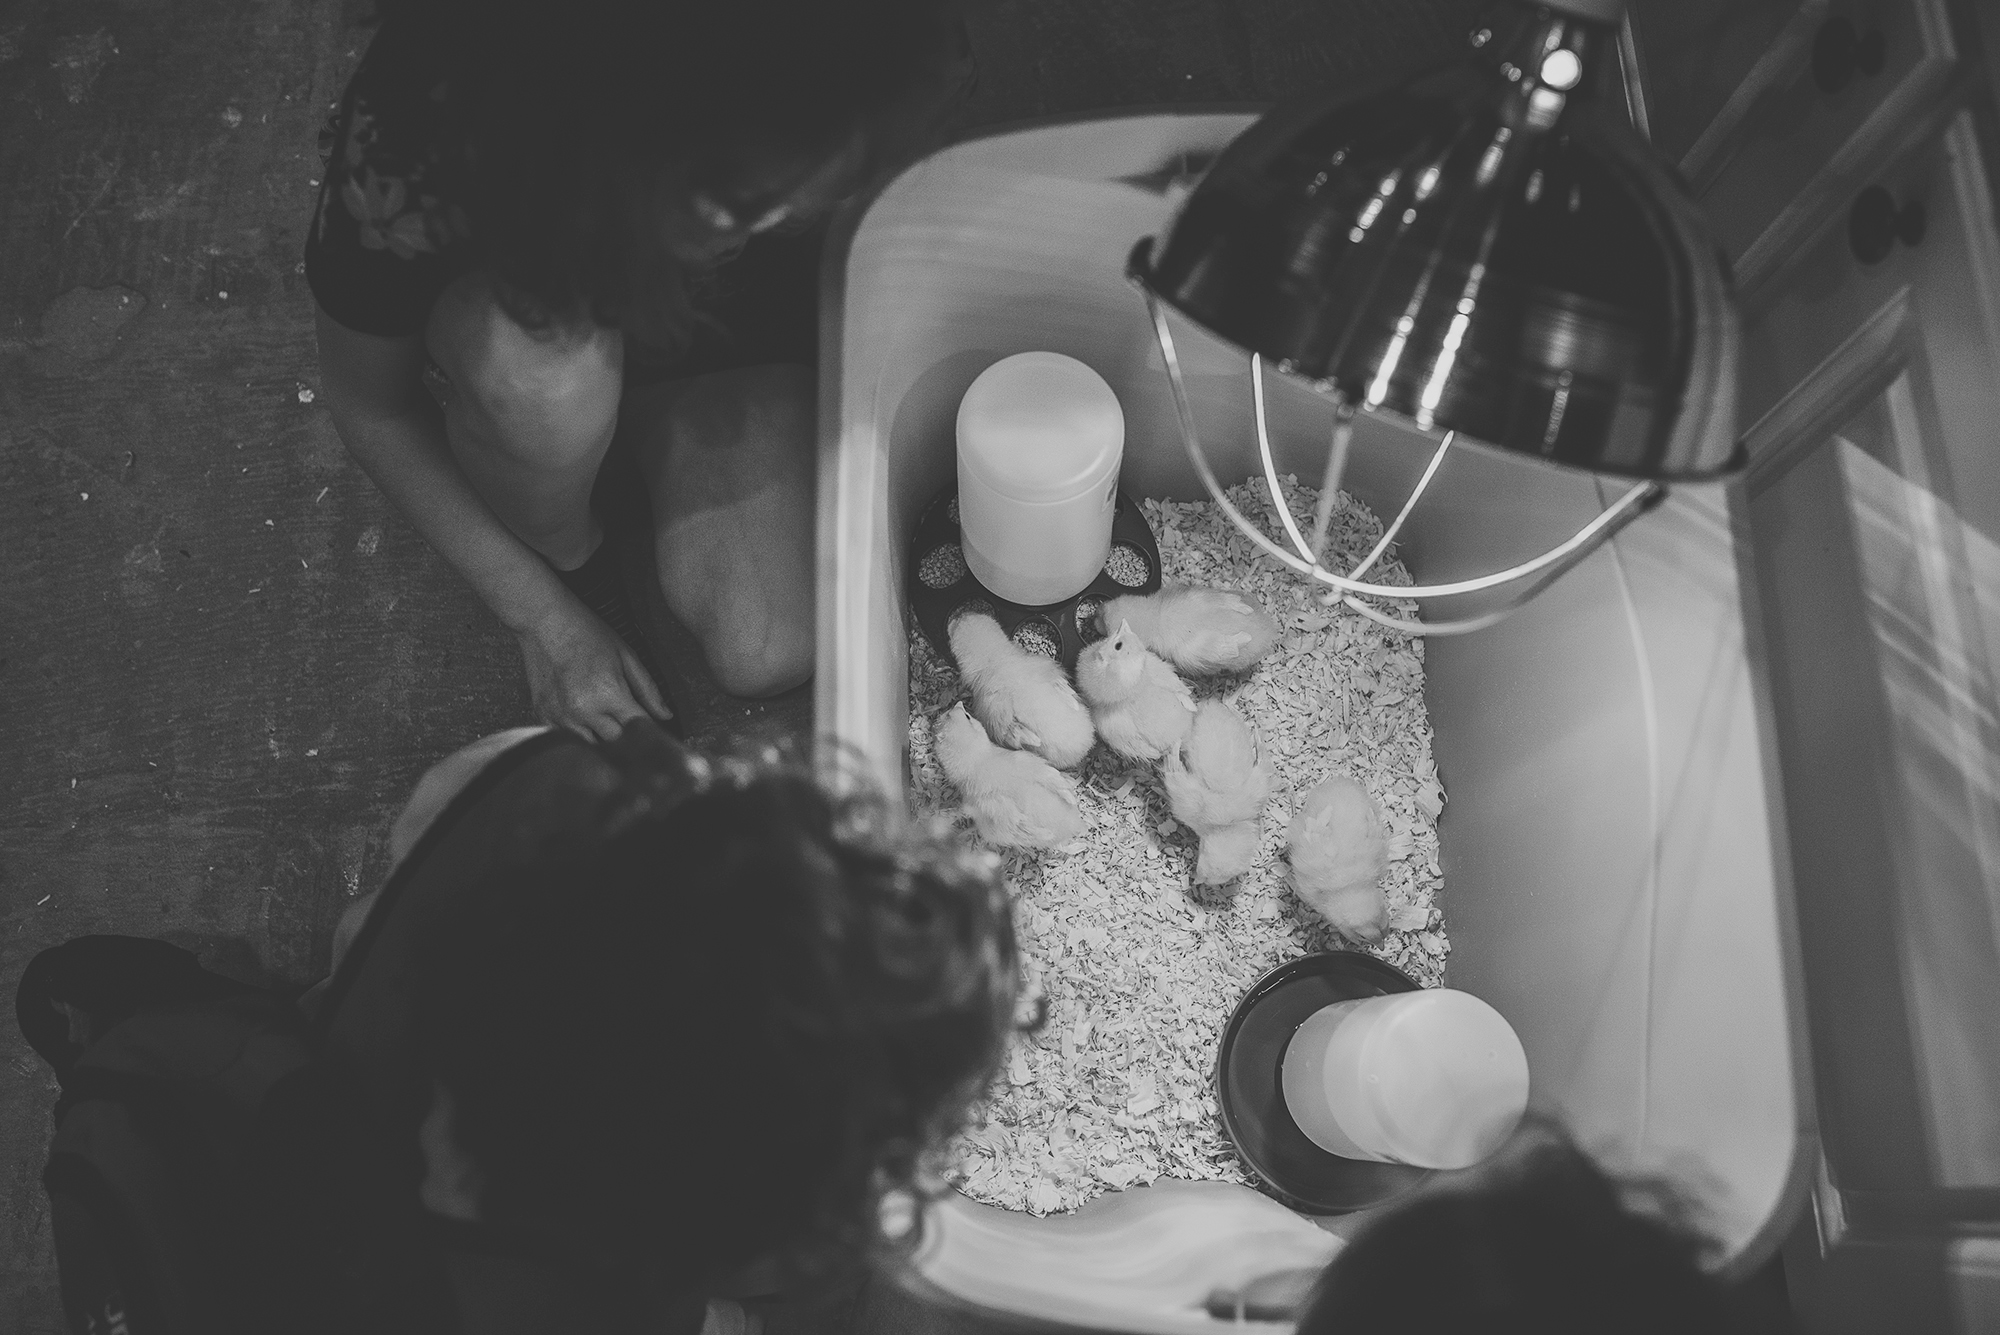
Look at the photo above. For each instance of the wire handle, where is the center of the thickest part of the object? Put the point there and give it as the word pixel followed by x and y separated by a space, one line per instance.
pixel 1305 560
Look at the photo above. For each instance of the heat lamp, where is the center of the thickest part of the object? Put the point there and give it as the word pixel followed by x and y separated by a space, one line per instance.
pixel 1486 253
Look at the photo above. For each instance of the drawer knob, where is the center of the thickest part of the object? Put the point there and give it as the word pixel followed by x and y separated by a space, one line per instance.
pixel 1841 51
pixel 1875 224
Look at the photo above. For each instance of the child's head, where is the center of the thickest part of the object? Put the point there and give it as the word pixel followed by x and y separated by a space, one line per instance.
pixel 711 1029
pixel 614 144
pixel 1534 1239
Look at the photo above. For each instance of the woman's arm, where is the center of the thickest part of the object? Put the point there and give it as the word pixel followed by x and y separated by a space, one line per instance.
pixel 385 417
pixel 578 670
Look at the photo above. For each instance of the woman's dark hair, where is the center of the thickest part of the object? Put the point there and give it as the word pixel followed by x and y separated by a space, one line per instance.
pixel 722 1018
pixel 1536 1239
pixel 588 127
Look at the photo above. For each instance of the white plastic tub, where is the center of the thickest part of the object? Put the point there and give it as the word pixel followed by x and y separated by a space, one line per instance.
pixel 1615 874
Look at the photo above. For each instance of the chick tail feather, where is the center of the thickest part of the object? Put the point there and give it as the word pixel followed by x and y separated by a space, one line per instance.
pixel 1358 912
pixel 1226 854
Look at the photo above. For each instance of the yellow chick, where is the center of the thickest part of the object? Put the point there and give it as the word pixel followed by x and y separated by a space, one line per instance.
pixel 1016 799
pixel 1199 631
pixel 1216 786
pixel 1141 709
pixel 1024 699
pixel 1339 848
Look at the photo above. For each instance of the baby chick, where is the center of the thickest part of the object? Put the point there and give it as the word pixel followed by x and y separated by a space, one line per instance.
pixel 1141 709
pixel 1339 849
pixel 1015 799
pixel 1200 631
pixel 1216 786
pixel 1024 699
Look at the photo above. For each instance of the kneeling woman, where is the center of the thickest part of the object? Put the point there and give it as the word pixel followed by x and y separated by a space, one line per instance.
pixel 554 233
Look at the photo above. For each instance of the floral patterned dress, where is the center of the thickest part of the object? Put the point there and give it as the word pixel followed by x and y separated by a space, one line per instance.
pixel 387 237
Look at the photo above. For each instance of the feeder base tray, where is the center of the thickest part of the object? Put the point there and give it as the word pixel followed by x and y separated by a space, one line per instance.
pixel 1250 1092
pixel 941 585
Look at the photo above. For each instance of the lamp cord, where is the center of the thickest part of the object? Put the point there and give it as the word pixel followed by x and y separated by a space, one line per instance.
pixel 1649 707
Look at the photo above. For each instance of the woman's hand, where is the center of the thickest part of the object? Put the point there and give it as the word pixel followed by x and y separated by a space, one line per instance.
pixel 581 676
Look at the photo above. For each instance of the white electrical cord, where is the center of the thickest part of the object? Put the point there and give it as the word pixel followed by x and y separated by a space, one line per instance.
pixel 1650 713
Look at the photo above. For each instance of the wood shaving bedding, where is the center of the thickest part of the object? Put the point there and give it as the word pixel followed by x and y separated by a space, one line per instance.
pixel 1139 968
pixel 943 566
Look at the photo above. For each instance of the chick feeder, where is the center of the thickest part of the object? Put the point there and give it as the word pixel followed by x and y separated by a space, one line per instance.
pixel 1614 867
pixel 1034 530
pixel 941 584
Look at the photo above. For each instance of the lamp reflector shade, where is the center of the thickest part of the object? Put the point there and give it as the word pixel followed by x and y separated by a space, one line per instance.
pixel 1486 248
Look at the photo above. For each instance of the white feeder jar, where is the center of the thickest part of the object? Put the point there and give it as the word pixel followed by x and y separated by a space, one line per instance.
pixel 1040 439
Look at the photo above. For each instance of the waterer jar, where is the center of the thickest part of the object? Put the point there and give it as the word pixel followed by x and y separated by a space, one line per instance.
pixel 1039 439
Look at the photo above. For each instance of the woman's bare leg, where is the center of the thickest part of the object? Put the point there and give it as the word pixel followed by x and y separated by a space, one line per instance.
pixel 529 415
pixel 728 459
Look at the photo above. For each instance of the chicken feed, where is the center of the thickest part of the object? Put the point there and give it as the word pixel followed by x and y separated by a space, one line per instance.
pixel 1127 564
pixel 1140 969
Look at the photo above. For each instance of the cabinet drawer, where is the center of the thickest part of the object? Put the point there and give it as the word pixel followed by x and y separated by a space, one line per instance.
pixel 1934 303
pixel 1821 123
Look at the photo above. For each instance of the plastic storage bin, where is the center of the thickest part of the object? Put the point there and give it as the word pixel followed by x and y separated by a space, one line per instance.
pixel 1615 873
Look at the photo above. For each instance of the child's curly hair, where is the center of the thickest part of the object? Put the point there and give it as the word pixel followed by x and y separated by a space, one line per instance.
pixel 724 1018
pixel 1538 1238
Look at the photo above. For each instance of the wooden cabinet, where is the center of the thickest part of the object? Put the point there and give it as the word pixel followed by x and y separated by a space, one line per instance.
pixel 1825 93
pixel 1843 150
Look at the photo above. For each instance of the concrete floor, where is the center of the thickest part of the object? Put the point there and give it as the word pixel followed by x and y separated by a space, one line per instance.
pixel 223 659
